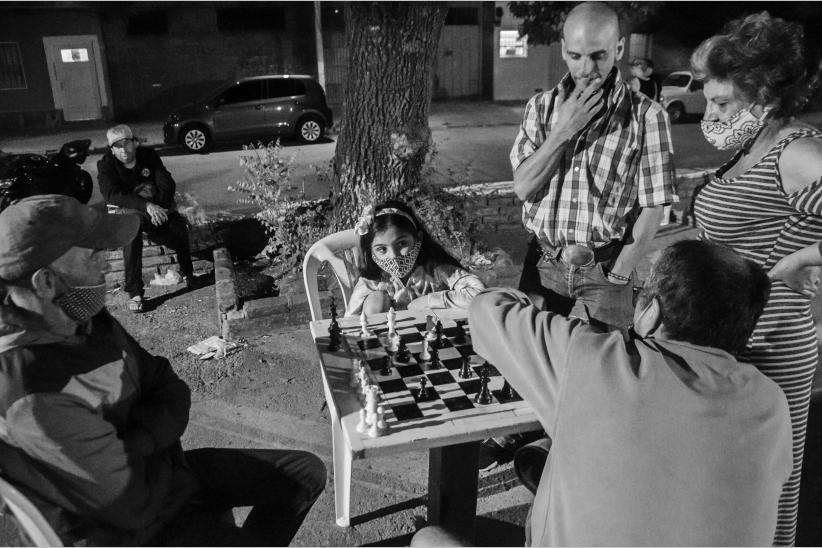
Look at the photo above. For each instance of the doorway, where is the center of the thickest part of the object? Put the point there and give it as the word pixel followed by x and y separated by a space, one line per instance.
pixel 75 70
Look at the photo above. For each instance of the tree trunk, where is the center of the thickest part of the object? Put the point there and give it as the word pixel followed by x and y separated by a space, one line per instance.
pixel 385 137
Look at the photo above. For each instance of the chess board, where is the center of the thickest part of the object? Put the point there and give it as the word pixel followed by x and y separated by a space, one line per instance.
pixel 447 396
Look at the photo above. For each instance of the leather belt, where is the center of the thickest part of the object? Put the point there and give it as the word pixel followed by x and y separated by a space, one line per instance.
pixel 580 255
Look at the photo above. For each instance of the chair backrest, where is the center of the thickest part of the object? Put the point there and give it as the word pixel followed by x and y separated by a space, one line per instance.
pixel 31 522
pixel 341 251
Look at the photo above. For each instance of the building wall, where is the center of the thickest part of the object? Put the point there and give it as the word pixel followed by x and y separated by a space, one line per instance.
pixel 34 106
pixel 151 74
pixel 520 78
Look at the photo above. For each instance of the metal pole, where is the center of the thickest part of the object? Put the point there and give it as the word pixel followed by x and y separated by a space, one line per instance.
pixel 318 35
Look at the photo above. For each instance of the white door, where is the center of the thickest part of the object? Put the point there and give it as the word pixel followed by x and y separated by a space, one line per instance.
pixel 74 73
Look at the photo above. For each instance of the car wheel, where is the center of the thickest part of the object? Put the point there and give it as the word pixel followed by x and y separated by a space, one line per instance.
pixel 676 112
pixel 310 129
pixel 195 138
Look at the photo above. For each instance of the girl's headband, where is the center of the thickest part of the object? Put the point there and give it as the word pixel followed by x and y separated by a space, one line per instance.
pixel 365 221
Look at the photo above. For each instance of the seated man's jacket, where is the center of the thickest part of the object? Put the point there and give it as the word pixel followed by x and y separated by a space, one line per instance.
pixel 119 185
pixel 655 442
pixel 90 428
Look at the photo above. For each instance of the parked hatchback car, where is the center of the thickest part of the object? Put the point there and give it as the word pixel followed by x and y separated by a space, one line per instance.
pixel 260 106
pixel 682 95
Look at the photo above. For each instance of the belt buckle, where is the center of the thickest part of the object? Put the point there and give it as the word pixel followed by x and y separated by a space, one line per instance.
pixel 577 255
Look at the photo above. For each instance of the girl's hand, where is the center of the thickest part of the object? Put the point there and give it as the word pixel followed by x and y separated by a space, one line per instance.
pixel 803 279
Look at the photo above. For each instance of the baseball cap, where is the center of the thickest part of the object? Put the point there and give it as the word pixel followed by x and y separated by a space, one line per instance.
pixel 117 133
pixel 40 229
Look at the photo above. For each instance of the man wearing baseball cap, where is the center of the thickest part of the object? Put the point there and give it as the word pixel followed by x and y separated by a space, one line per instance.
pixel 90 423
pixel 134 178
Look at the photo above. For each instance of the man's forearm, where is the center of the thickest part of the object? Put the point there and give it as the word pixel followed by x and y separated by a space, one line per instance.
pixel 533 173
pixel 642 233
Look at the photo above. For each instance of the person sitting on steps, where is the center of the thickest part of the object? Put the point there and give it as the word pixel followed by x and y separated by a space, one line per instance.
pixel 134 178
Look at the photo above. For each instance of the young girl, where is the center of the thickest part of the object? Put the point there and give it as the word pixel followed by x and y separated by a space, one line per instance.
pixel 404 267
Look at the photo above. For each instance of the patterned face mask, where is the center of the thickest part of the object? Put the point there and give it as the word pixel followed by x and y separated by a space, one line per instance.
pixel 82 303
pixel 733 133
pixel 400 267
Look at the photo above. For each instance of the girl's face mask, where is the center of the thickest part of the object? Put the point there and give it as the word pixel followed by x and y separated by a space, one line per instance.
pixel 733 133
pixel 399 266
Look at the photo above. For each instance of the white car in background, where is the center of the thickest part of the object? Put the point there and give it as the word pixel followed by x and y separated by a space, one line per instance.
pixel 682 96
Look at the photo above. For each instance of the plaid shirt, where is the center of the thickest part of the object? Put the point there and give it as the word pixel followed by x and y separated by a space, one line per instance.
pixel 622 159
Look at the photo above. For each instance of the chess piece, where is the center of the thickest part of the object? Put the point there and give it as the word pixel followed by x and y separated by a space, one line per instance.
pixel 438 333
pixel 429 323
pixel 334 335
pixel 508 391
pixel 372 400
pixel 381 424
pixel 361 426
pixel 460 336
pixel 466 372
pixel 364 382
pixel 425 354
pixel 435 358
pixel 386 366
pixel 422 395
pixel 364 332
pixel 394 343
pixel 355 372
pixel 484 396
pixel 392 320
pixel 333 307
pixel 402 355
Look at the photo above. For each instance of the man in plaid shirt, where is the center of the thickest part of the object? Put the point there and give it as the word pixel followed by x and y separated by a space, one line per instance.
pixel 593 167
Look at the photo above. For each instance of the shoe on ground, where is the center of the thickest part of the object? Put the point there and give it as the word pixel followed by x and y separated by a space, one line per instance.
pixel 492 454
pixel 136 304
pixel 190 281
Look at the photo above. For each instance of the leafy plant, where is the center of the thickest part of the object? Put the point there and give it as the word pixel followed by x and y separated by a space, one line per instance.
pixel 291 221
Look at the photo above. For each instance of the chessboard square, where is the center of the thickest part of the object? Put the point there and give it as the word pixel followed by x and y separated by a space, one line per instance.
pixel 470 386
pixel 392 386
pixel 492 370
pixel 421 327
pixel 445 343
pixel 453 363
pixel 499 397
pixel 466 350
pixel 369 343
pixel 376 363
pixel 450 331
pixel 406 411
pixel 458 404
pixel 443 377
pixel 410 370
pixel 431 394
pixel 449 353
pixel 380 330
pixel 410 338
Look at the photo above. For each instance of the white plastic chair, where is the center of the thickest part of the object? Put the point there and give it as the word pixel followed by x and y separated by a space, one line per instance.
pixel 31 522
pixel 341 251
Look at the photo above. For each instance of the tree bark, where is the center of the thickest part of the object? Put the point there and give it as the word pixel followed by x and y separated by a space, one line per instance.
pixel 384 136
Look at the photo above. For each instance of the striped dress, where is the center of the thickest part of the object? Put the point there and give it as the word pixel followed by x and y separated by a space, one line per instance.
pixel 753 215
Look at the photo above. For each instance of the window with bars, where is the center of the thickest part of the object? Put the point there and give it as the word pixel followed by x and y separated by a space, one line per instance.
pixel 12 75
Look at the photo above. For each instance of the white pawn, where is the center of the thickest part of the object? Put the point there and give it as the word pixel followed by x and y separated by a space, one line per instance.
pixel 371 403
pixel 364 333
pixel 363 375
pixel 392 319
pixel 394 342
pixel 361 426
pixel 355 372
pixel 425 355
pixel 381 418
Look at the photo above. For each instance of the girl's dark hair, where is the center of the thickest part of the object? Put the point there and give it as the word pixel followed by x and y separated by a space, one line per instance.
pixel 766 58
pixel 432 254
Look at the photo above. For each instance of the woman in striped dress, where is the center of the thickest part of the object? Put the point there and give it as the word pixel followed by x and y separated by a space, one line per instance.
pixel 766 202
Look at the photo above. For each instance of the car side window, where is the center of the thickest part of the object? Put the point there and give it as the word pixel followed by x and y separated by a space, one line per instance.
pixel 280 87
pixel 696 85
pixel 243 92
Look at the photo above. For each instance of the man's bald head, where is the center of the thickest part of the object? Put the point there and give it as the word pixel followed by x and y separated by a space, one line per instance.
pixel 591 41
pixel 594 18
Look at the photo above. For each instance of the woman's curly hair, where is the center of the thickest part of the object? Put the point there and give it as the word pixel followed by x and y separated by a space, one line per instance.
pixel 766 58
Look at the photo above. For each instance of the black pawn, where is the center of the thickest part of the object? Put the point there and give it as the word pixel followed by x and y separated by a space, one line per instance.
pixel 402 354
pixel 386 366
pixel 466 372
pixel 459 337
pixel 334 336
pixel 508 392
pixel 422 395
pixel 484 396
pixel 436 363
pixel 438 331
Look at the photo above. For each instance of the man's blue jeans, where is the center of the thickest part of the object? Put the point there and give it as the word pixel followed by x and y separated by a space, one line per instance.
pixel 279 485
pixel 580 292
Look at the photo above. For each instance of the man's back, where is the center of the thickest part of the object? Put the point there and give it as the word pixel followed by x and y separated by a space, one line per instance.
pixel 654 442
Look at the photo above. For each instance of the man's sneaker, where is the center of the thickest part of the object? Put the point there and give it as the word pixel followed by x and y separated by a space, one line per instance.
pixel 492 454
